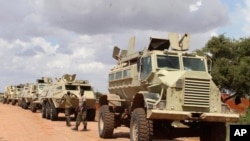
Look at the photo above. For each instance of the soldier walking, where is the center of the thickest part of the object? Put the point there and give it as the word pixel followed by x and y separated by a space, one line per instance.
pixel 82 113
pixel 68 107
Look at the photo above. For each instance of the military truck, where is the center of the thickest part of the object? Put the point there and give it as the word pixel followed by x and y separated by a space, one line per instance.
pixel 35 103
pixel 52 97
pixel 30 89
pixel 161 89
pixel 17 92
pixel 10 95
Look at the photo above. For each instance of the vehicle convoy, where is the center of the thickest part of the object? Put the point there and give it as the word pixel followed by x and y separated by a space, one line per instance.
pixel 52 97
pixel 152 90
pixel 35 103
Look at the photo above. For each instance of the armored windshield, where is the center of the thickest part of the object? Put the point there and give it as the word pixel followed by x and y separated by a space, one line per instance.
pixel 41 86
pixel 71 87
pixel 169 62
pixel 194 64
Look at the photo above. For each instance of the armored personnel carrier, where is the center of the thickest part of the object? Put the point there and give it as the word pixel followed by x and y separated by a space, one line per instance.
pixel 16 94
pixel 10 94
pixel 35 102
pixel 29 90
pixel 52 97
pixel 164 84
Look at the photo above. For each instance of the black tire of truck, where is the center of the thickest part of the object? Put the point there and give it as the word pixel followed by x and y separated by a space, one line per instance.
pixel 91 114
pixel 106 122
pixel 33 107
pixel 141 129
pixel 43 111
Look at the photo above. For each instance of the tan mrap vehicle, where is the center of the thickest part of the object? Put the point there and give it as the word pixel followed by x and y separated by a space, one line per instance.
pixel 52 96
pixel 10 94
pixel 16 93
pixel 158 90
pixel 35 103
pixel 29 90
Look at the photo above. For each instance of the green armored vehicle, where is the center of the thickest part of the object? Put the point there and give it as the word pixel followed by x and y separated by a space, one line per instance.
pixel 161 88
pixel 53 104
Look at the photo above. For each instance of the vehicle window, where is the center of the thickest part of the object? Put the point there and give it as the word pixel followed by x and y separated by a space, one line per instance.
pixel 111 77
pixel 85 88
pixel 170 62
pixel 59 88
pixel 126 73
pixel 41 86
pixel 71 87
pixel 194 64
pixel 118 75
pixel 146 67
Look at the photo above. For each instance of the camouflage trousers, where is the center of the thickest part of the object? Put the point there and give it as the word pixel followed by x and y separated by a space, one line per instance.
pixel 67 115
pixel 81 117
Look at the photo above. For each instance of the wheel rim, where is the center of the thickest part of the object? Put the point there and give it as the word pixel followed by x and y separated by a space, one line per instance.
pixel 135 131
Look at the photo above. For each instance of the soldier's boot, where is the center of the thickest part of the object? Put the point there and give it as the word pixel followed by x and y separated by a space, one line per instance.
pixel 68 121
pixel 84 127
pixel 75 128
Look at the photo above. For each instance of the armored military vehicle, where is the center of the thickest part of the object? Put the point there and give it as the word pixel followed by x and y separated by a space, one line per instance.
pixel 160 89
pixel 10 94
pixel 52 97
pixel 17 92
pixel 29 90
pixel 35 102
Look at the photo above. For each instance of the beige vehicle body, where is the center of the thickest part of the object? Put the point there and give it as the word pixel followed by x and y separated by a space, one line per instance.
pixel 157 87
pixel 42 83
pixel 29 90
pixel 10 95
pixel 52 97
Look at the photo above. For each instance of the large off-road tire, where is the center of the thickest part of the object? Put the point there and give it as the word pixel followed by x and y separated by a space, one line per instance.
pixel 13 102
pixel 4 100
pixel 7 101
pixel 43 111
pixel 53 114
pixel 106 122
pixel 213 132
pixel 48 109
pixel 91 114
pixel 33 107
pixel 140 128
pixel 25 105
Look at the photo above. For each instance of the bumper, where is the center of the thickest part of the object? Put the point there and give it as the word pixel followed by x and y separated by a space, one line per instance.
pixel 184 115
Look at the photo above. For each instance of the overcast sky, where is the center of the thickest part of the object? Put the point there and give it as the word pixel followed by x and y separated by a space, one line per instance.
pixel 52 37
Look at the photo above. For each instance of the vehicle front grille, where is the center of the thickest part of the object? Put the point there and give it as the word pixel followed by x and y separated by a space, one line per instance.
pixel 196 92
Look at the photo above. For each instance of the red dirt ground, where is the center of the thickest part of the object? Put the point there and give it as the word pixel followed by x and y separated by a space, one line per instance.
pixel 18 124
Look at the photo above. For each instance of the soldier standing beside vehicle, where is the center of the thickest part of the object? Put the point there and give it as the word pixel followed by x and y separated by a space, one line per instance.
pixel 68 106
pixel 81 113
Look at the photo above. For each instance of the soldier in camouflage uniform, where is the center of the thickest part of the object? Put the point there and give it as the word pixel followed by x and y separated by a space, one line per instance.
pixel 68 107
pixel 82 113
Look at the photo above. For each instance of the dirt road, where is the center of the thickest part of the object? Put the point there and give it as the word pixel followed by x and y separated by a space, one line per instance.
pixel 17 124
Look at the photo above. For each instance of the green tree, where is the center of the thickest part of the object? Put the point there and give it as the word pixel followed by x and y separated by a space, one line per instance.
pixel 231 63
pixel 98 94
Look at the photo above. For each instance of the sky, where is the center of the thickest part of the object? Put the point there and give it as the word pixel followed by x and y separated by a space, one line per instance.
pixel 50 38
